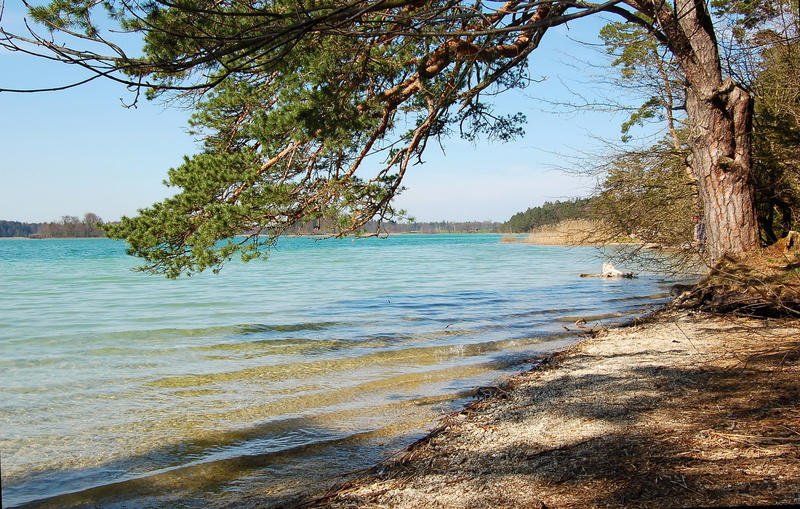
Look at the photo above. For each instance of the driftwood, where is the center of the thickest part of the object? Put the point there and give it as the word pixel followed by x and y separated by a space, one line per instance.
pixel 609 271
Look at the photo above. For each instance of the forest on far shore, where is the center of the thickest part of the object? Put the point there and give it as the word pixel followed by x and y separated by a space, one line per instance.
pixel 67 226
pixel 548 213
pixel 521 222
pixel 91 226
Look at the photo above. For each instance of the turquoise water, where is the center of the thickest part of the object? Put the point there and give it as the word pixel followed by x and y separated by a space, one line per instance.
pixel 129 388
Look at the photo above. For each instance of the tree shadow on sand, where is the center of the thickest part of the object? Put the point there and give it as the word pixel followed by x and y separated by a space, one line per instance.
pixel 697 434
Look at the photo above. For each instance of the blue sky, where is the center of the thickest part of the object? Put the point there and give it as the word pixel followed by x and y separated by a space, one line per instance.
pixel 80 150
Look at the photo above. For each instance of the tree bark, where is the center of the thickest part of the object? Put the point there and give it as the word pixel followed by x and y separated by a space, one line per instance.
pixel 720 121
pixel 720 139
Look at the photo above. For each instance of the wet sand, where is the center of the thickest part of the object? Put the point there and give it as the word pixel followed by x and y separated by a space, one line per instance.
pixel 681 409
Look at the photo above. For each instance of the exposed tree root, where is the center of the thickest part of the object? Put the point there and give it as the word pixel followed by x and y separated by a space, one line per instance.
pixel 766 284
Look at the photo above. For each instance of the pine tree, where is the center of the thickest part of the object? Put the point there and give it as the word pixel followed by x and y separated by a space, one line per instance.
pixel 294 96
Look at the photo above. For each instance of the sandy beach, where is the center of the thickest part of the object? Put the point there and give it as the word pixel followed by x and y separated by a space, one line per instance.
pixel 680 409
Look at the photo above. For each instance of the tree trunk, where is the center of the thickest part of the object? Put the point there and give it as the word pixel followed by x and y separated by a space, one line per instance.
pixel 720 122
pixel 721 130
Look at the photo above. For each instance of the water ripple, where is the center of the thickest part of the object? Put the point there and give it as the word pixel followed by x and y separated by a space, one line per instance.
pixel 114 379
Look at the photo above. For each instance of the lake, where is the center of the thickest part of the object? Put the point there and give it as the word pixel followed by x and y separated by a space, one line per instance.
pixel 130 389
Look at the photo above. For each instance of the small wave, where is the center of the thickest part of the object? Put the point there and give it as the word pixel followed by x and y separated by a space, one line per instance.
pixel 292 327
pixel 411 357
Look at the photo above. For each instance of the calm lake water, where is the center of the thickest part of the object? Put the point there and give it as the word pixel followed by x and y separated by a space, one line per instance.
pixel 121 388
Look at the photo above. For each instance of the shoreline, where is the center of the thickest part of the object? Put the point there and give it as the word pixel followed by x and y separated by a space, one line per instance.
pixel 674 409
pixel 568 232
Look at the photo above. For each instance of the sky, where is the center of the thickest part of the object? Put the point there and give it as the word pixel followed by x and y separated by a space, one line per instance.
pixel 80 150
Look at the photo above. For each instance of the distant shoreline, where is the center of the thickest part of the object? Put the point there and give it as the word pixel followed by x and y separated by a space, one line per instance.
pixel 320 235
pixel 53 238
pixel 571 232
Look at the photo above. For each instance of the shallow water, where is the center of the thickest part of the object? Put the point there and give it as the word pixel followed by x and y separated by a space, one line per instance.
pixel 124 388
